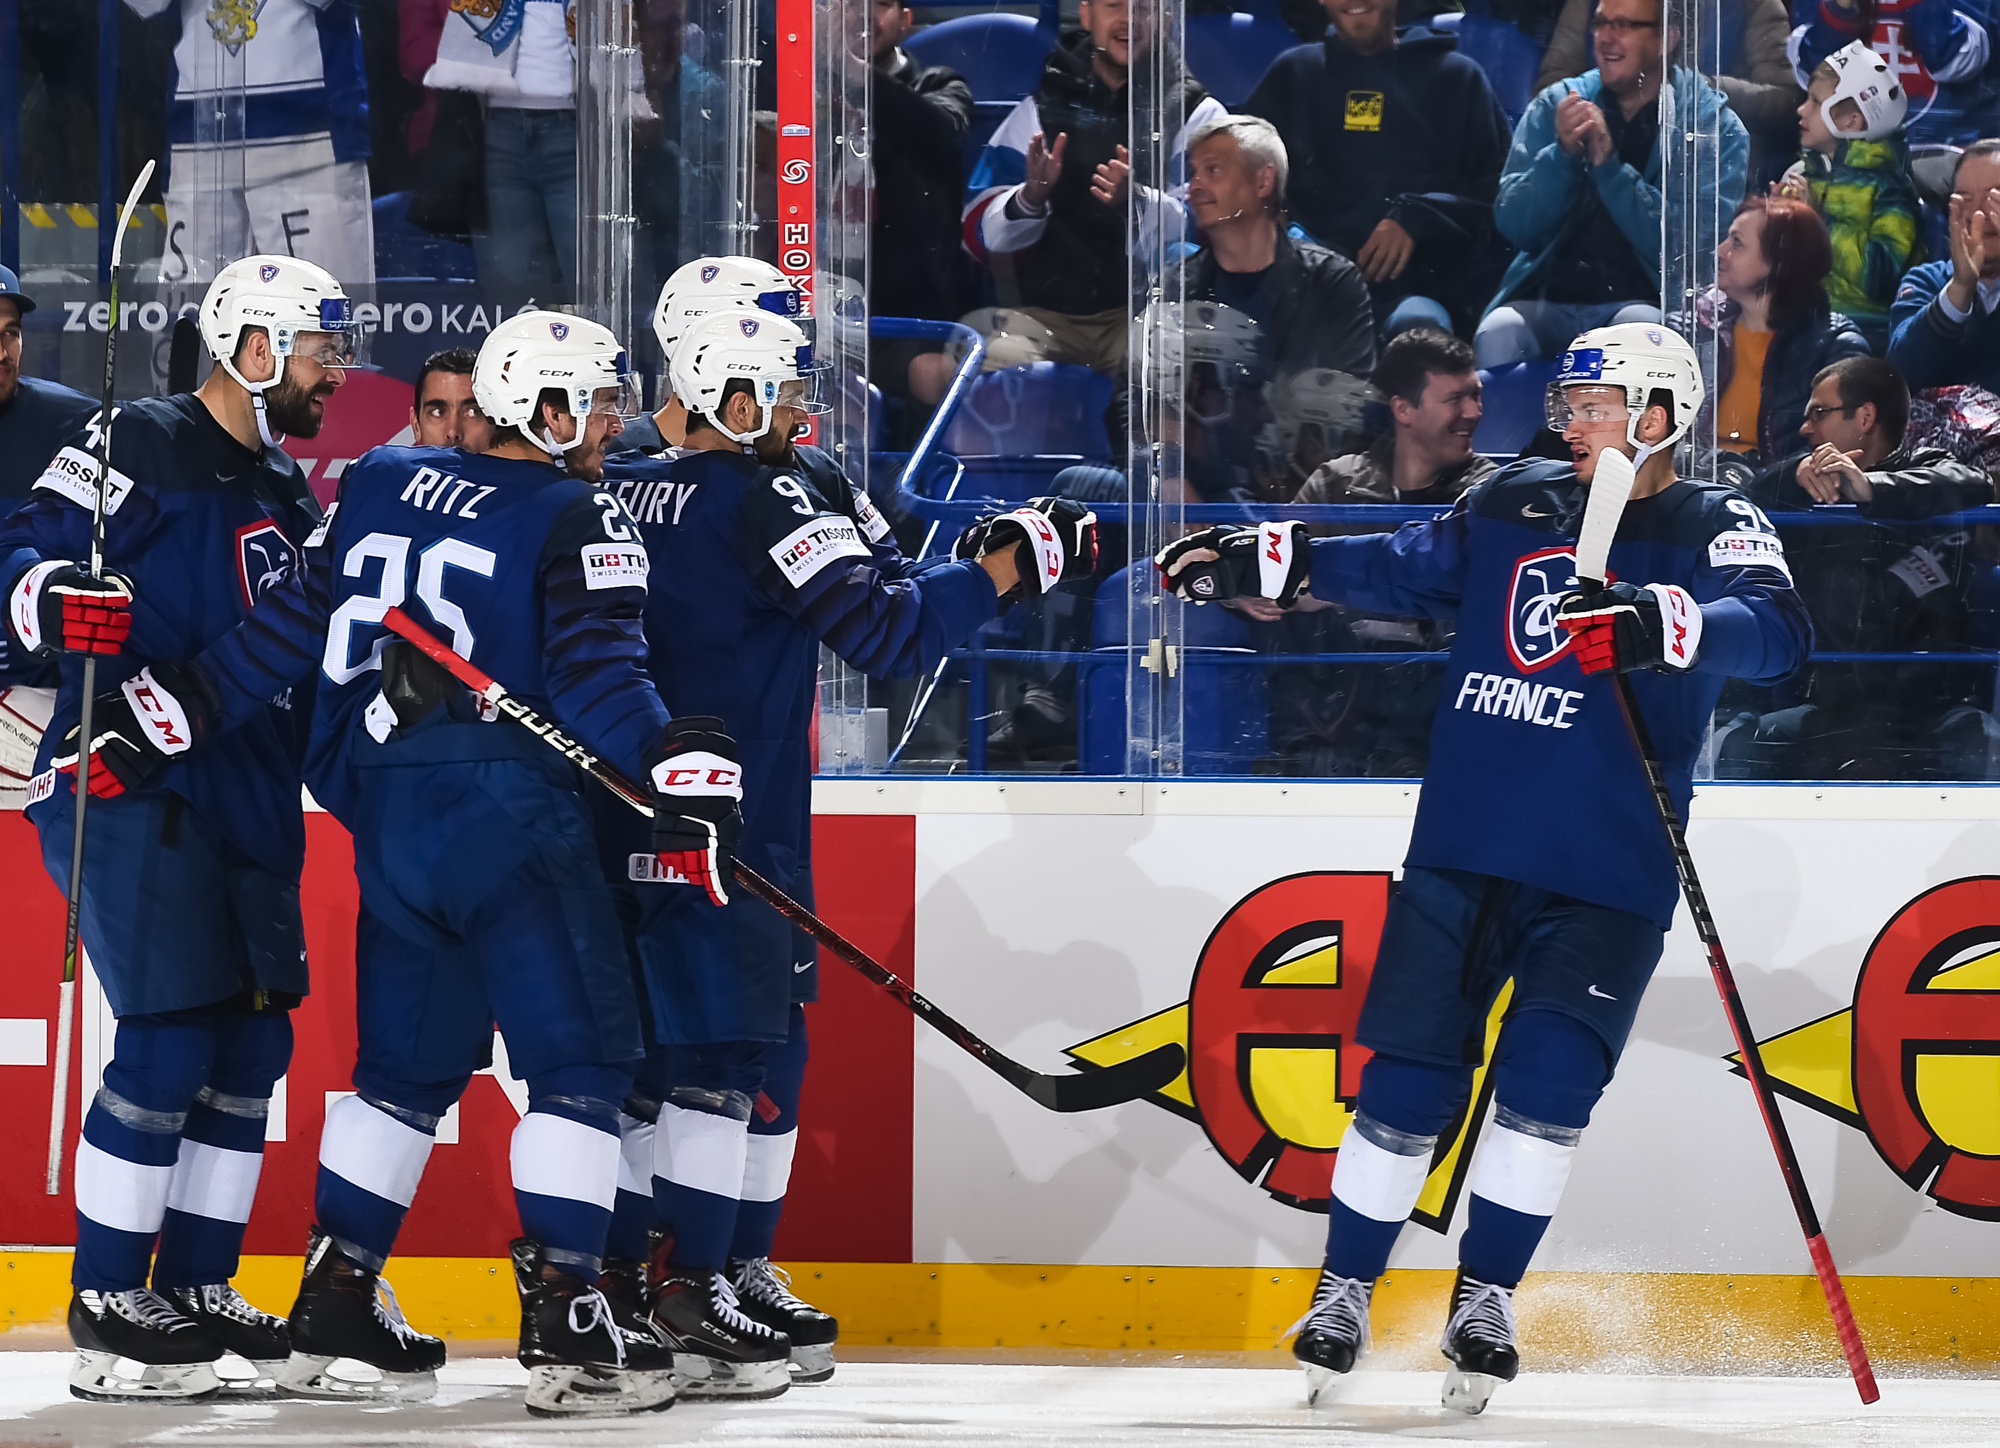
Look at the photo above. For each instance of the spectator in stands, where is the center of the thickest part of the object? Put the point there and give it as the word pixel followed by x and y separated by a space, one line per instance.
pixel 916 267
pixel 1581 198
pixel 1374 719
pixel 527 249
pixel 443 412
pixel 1742 54
pixel 1942 325
pixel 1890 589
pixel 1047 204
pixel 35 416
pixel 679 189
pixel 1773 329
pixel 1856 173
pixel 1396 143
pixel 1261 308
pixel 1940 49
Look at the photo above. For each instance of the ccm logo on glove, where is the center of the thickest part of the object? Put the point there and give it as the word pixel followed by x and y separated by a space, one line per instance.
pixel 699 773
pixel 159 713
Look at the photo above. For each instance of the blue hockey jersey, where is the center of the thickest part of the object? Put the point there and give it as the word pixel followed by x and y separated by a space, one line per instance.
pixel 39 418
pixel 537 577
pixel 204 527
pixel 1532 775
pixel 754 568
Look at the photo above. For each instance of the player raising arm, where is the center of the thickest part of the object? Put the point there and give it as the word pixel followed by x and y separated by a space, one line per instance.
pixel 757 562
pixel 190 905
pixel 1537 853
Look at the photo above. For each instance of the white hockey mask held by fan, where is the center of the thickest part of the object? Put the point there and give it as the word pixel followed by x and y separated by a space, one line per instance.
pixel 769 354
pixel 538 352
pixel 299 307
pixel 714 284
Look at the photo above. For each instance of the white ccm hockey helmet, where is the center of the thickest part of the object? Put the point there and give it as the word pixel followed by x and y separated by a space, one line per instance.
pixel 284 296
pixel 1865 78
pixel 770 353
pixel 526 355
pixel 714 284
pixel 1642 358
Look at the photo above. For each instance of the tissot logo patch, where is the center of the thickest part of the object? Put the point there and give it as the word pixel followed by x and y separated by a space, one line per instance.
pixel 811 546
pixel 614 565
pixel 265 558
pixel 1534 638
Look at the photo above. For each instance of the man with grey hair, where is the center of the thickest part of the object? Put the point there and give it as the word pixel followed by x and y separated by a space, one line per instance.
pixel 1397 143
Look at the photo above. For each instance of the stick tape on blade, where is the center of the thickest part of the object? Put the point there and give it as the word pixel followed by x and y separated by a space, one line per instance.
pixel 1610 489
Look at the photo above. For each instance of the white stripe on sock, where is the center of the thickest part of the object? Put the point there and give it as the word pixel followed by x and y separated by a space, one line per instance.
pixel 556 1157
pixel 767 1170
pixel 373 1150
pixel 114 1192
pixel 701 1150
pixel 1375 1182
pixel 213 1181
pixel 1521 1172
pixel 635 1155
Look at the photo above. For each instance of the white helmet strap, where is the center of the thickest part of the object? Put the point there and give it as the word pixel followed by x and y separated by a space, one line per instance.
pixel 257 389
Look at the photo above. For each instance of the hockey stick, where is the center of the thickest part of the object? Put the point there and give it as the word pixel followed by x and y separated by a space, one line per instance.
pixel 66 1007
pixel 1600 522
pixel 1066 1092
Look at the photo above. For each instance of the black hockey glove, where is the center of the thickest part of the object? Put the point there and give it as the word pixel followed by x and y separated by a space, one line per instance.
pixel 1056 539
pixel 58 606
pixel 157 716
pixel 1270 560
pixel 697 803
pixel 1628 626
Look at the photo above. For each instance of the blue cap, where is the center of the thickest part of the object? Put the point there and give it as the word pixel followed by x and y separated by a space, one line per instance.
pixel 10 288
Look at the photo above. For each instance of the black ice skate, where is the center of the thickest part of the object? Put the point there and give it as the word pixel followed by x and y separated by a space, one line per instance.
pixel 764 1292
pixel 720 1351
pixel 115 1332
pixel 347 1313
pixel 623 1280
pixel 1331 1334
pixel 1479 1340
pixel 258 1338
pixel 586 1356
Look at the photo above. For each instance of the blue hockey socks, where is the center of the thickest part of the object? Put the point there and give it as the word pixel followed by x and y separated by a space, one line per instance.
pixel 774 1137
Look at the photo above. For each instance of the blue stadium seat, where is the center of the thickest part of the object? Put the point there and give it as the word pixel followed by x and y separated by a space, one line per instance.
pixel 1225 716
pixel 1046 410
pixel 401 250
pixel 1509 58
pixel 1513 398
pixel 1000 55
pixel 1230 53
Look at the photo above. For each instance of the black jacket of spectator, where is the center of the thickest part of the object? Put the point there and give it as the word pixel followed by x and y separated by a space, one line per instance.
pixel 1878 589
pixel 921 116
pixel 1796 355
pixel 1414 133
pixel 1080 266
pixel 1321 316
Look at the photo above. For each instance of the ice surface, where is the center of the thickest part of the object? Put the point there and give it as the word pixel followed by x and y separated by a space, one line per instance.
pixel 1004 1405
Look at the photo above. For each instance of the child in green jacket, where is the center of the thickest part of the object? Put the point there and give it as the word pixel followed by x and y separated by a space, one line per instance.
pixel 1856 173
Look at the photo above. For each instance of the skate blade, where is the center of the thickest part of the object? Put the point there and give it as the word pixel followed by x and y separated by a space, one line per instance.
pixel 105 1377
pixel 811 1364
pixel 248 1378
pixel 597 1392
pixel 739 1381
pixel 1323 1385
pixel 1468 1392
pixel 307 1375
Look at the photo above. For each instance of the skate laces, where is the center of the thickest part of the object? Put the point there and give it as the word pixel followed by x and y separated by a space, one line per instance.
pixel 1487 1313
pixel 1339 1307
pixel 223 1298
pixel 389 1312
pixel 764 1280
pixel 598 1316
pixel 724 1301
pixel 148 1309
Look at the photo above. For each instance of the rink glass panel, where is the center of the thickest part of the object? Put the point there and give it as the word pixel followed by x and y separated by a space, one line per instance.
pixel 675 156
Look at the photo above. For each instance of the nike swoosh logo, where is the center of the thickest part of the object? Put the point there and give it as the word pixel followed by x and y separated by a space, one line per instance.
pixel 1538 513
pixel 1601 995
pixel 802 969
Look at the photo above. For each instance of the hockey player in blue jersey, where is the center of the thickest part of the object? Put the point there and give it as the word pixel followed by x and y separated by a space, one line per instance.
pixel 483 899
pixel 757 563
pixel 1537 854
pixel 190 891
